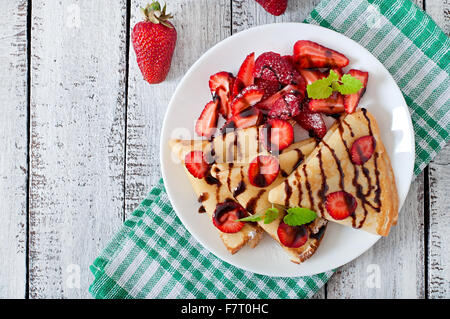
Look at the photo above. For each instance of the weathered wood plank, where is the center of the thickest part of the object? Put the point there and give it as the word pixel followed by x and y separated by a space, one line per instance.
pixel 147 103
pixel 77 140
pixel 439 182
pixel 13 143
pixel 439 225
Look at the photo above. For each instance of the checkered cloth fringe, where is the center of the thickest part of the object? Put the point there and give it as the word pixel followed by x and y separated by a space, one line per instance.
pixel 154 256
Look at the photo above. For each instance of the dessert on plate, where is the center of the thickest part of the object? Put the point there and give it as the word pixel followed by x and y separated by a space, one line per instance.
pixel 254 171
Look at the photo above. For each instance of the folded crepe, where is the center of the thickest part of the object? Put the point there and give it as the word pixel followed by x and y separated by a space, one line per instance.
pixel 329 169
pixel 255 199
pixel 210 192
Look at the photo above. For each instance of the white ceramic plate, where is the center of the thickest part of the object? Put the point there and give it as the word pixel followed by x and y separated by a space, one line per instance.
pixel 383 98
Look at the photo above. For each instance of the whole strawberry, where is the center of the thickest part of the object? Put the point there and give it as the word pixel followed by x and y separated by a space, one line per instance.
pixel 274 7
pixel 154 42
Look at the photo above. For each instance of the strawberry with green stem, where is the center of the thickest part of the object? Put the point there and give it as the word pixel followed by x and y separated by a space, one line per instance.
pixel 154 43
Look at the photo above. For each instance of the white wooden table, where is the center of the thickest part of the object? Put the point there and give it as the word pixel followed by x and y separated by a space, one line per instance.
pixel 79 141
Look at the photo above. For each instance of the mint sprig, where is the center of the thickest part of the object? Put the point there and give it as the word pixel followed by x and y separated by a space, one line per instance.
pixel 323 88
pixel 297 216
pixel 268 216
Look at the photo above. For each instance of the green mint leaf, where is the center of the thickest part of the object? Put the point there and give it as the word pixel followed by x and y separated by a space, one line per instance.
pixel 270 215
pixel 333 76
pixel 319 89
pixel 252 218
pixel 350 85
pixel 297 216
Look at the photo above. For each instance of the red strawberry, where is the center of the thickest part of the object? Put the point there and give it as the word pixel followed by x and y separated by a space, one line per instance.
pixel 286 107
pixel 311 76
pixel 276 135
pixel 292 236
pixel 267 104
pixel 270 66
pixel 351 101
pixel 244 77
pixel 263 170
pixel 362 149
pixel 207 122
pixel 332 105
pixel 226 214
pixel 154 42
pixel 220 85
pixel 312 122
pixel 274 7
pixel 308 54
pixel 340 205
pixel 248 97
pixel 247 118
pixel 196 164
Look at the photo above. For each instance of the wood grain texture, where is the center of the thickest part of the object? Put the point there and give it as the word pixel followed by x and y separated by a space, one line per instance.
pixel 13 143
pixel 147 103
pixel 77 140
pixel 439 226
pixel 439 188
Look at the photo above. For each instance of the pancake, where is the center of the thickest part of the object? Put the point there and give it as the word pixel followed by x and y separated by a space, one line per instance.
pixel 329 169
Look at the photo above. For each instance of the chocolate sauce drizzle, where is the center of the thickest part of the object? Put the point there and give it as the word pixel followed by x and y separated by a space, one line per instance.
pixel 251 204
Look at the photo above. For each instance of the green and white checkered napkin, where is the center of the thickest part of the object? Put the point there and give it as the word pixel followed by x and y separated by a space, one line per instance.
pixel 154 256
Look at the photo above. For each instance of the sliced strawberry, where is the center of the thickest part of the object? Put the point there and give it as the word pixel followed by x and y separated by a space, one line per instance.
pixel 270 66
pixel 196 164
pixel 308 54
pixel 220 85
pixel 244 77
pixel 267 104
pixel 207 122
pixel 269 87
pixel 351 101
pixel 311 76
pixel 274 7
pixel 276 135
pixel 286 107
pixel 247 118
pixel 292 236
pixel 332 105
pixel 340 205
pixel 312 122
pixel 263 170
pixel 362 149
pixel 225 216
pixel 247 98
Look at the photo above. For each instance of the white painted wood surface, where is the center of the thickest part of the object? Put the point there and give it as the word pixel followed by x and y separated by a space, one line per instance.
pixel 94 147
pixel 13 146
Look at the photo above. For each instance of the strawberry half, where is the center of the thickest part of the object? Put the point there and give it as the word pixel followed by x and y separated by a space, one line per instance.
pixel 332 105
pixel 247 118
pixel 362 149
pixel 308 54
pixel 340 205
pixel 311 76
pixel 207 122
pixel 244 77
pixel 286 107
pixel 268 103
pixel 292 236
pixel 269 87
pixel 225 216
pixel 263 170
pixel 351 101
pixel 196 164
pixel 276 135
pixel 312 122
pixel 247 98
pixel 220 85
